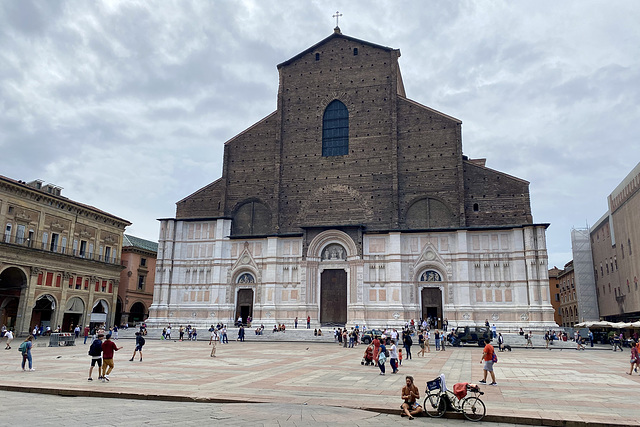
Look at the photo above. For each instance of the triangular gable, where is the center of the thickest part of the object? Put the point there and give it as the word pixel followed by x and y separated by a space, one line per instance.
pixel 337 34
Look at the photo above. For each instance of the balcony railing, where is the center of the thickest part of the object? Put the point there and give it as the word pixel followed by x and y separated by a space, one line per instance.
pixel 63 250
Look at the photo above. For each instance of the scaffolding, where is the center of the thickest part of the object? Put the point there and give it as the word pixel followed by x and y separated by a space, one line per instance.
pixel 583 273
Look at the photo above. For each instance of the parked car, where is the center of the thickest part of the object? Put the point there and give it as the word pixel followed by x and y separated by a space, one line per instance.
pixel 471 335
pixel 370 334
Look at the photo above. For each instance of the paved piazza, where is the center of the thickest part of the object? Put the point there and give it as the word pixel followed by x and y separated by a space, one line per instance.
pixel 320 383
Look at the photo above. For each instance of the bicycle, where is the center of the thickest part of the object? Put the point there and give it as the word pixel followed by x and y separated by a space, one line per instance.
pixel 438 400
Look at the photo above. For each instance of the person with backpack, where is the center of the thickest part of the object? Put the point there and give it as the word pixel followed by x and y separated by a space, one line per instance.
pixel 95 351
pixel 25 350
pixel 140 341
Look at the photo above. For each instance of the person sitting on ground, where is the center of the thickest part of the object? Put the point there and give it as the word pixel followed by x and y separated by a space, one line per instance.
pixel 368 356
pixel 315 332
pixel 410 394
pixel 275 328
pixel 319 332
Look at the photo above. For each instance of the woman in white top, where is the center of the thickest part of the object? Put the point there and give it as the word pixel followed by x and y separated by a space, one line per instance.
pixel 393 356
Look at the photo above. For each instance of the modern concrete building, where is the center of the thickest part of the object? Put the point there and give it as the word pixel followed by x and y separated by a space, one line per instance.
pixel 59 259
pixel 352 204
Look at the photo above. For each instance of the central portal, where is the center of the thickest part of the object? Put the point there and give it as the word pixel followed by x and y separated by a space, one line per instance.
pixel 432 307
pixel 333 297
pixel 244 308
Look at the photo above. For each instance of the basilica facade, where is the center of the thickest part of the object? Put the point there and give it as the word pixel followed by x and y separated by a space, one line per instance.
pixel 352 204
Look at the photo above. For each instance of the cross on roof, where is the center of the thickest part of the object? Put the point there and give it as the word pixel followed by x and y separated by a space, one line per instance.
pixel 337 16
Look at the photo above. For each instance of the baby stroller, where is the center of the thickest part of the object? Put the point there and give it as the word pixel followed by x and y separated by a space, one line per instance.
pixel 367 359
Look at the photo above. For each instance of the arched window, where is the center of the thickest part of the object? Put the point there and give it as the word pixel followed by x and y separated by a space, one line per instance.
pixel 429 213
pixel 251 218
pixel 335 130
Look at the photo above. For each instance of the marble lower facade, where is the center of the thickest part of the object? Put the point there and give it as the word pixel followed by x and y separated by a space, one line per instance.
pixel 465 276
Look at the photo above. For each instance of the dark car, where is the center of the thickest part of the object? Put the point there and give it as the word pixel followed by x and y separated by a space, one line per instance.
pixel 368 336
pixel 471 335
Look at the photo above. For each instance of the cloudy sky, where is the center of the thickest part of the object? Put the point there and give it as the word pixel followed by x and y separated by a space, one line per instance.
pixel 127 104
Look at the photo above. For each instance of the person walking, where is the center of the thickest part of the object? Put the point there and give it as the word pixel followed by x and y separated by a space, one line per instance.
pixel 168 336
pixel 407 342
pixel 225 338
pixel 95 351
pixel 421 343
pixel 108 347
pixel 9 335
pixel 487 359
pixel 494 331
pixel 25 350
pixel 382 358
pixel 140 341
pixel 436 336
pixel 213 342
pixel 181 333
pixel 76 331
pixel 635 357
pixel 295 323
pixel 393 357
pixel 501 342
pixel 528 337
pixel 241 333
pixel 442 341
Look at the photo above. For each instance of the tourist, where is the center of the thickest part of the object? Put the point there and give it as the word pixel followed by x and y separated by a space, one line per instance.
pixel 591 337
pixel 315 332
pixel 547 338
pixel 76 331
pixel 140 341
pixel 25 350
pixel 635 358
pixel 442 341
pixel 108 347
pixel 382 358
pixel 241 333
pixel 95 351
pixel 528 337
pixel 164 333
pixel 579 344
pixel 295 323
pixel 115 332
pixel 214 334
pixel 308 322
pixel 436 337
pixel 421 343
pixel 407 341
pixel 501 342
pixel 181 333
pixel 319 332
pixel 212 342
pixel 225 338
pixel 445 324
pixel 86 333
pixel 487 359
pixel 9 335
pixel 194 334
pixel 410 395
pixel 344 338
pixel 494 331
pixel 376 349
pixel 393 356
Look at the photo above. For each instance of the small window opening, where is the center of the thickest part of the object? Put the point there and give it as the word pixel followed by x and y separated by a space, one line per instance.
pixel 355 51
pixel 476 207
pixel 317 57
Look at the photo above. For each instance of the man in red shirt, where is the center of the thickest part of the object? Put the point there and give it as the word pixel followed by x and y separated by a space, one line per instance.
pixel 108 347
pixel 487 359
pixel 86 333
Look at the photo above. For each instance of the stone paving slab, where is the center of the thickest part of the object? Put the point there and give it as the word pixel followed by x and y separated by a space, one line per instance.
pixel 537 387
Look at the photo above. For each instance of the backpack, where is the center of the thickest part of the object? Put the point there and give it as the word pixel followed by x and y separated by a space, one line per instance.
pixel 23 348
pixel 386 352
pixel 526 336
pixel 494 357
pixel 142 341
pixel 96 348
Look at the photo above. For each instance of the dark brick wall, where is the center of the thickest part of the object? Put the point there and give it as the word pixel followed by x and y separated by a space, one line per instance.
pixel 502 199
pixel 429 158
pixel 400 152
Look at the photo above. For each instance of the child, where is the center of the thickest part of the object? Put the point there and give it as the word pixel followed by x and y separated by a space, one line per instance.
pixel 400 356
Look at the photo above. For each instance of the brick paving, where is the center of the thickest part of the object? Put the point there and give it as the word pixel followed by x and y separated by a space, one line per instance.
pixel 535 386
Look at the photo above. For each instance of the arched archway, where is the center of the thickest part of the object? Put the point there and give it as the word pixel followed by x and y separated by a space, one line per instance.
pixel 43 312
pixel 99 313
pixel 12 281
pixel 430 282
pixel 118 319
pixel 137 313
pixel 244 298
pixel 73 314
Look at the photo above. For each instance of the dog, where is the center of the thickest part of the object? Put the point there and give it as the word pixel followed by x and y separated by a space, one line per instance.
pixel 506 347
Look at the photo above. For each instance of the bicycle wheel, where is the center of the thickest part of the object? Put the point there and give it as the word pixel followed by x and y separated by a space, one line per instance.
pixel 434 405
pixel 473 409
